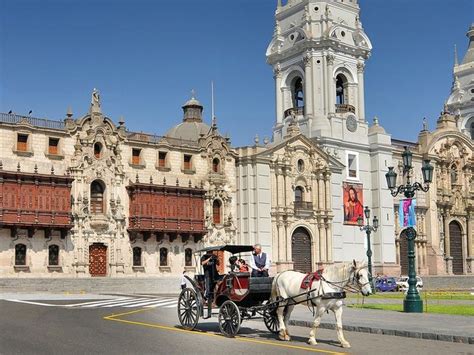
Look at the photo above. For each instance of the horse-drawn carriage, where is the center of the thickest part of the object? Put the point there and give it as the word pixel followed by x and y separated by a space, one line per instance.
pixel 237 295
pixel 240 296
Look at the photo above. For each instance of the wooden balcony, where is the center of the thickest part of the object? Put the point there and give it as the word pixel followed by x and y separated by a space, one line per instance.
pixel 166 209
pixel 35 201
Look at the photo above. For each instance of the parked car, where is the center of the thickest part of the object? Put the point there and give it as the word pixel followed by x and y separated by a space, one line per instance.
pixel 386 284
pixel 403 283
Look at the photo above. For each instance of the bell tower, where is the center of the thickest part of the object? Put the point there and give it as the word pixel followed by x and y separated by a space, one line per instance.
pixel 318 53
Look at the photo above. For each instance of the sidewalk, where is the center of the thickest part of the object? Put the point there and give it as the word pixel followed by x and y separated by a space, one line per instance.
pixel 458 329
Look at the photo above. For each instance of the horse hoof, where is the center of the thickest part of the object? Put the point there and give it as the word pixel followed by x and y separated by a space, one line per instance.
pixel 346 345
pixel 312 342
pixel 282 336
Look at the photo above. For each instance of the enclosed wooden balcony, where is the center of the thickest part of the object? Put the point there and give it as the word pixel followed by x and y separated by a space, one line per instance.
pixel 166 209
pixel 35 201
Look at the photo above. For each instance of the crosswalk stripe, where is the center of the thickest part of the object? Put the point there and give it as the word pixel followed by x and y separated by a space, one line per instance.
pixel 172 305
pixel 34 303
pixel 161 305
pixel 155 301
pixel 94 303
pixel 127 303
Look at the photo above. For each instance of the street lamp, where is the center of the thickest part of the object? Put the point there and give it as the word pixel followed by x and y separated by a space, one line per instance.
pixel 412 302
pixel 368 230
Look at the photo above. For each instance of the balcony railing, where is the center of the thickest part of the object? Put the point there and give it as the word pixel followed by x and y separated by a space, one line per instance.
pixel 345 108
pixel 298 111
pixel 37 122
pixel 303 205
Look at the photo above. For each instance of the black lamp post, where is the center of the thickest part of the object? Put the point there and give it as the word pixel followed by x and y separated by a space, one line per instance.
pixel 412 302
pixel 368 230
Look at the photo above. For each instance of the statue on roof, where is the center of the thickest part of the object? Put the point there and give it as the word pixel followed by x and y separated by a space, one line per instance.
pixel 95 101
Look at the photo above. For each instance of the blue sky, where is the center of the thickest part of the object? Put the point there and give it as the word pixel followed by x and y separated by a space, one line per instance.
pixel 146 56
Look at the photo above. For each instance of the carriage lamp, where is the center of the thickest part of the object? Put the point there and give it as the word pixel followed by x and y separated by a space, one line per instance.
pixel 412 302
pixel 368 231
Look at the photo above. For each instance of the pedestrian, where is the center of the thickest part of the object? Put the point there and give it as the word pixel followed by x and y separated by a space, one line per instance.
pixel 183 280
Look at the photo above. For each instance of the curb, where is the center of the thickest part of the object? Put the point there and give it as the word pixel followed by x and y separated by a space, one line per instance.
pixel 395 332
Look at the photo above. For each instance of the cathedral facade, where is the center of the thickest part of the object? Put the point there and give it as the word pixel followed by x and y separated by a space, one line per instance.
pixel 86 197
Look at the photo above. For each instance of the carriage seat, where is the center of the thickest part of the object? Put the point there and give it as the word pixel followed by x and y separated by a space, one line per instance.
pixel 260 284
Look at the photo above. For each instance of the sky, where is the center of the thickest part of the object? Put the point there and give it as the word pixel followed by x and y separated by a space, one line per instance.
pixel 146 56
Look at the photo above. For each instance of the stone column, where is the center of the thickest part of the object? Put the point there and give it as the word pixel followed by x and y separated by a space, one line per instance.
pixel 321 194
pixel 331 84
pixel 329 240
pixel 322 241
pixel 360 91
pixel 308 85
pixel 278 94
pixel 327 187
pixel 317 245
pixel 447 245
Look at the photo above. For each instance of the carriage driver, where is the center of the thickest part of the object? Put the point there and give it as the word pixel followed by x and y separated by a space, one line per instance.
pixel 259 262
pixel 209 263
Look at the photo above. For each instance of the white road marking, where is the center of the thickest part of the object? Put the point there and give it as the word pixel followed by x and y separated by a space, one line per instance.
pixel 172 306
pixel 156 301
pixel 35 303
pixel 136 301
pixel 161 305
pixel 109 302
pixel 99 302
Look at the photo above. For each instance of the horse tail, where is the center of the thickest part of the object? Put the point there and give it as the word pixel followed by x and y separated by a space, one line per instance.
pixel 275 294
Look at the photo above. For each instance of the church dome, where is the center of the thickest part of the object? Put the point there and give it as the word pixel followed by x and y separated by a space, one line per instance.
pixel 190 131
pixel 192 126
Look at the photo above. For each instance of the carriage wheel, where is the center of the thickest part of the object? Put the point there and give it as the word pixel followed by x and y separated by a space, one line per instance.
pixel 188 309
pixel 229 319
pixel 270 319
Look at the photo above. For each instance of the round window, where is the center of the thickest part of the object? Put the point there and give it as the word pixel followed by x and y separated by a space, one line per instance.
pixel 343 34
pixel 300 165
pixel 472 91
pixel 316 8
pixel 292 37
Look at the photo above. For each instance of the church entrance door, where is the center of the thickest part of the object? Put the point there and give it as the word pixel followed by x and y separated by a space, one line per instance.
pixel 455 248
pixel 98 259
pixel 301 250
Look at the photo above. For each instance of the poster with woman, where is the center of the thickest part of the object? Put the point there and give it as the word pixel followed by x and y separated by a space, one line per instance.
pixel 406 212
pixel 353 202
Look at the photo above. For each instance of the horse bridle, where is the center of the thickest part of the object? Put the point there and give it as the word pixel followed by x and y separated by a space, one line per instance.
pixel 353 280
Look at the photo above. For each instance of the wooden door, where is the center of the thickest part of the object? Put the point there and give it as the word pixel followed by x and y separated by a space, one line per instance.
pixel 98 260
pixel 455 248
pixel 301 250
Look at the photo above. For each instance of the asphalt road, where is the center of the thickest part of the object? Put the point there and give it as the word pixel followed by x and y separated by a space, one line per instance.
pixel 93 328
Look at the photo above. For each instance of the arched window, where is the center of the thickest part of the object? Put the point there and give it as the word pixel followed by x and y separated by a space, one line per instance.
pixel 341 83
pixel 188 257
pixel 97 150
pixel 298 94
pixel 163 257
pixel 20 254
pixel 299 194
pixel 97 197
pixel 53 255
pixel 137 256
pixel 216 165
pixel 216 212
pixel 472 130
pixel 454 174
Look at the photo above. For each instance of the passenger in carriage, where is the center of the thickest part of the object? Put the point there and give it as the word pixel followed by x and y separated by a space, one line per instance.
pixel 243 267
pixel 234 264
pixel 259 262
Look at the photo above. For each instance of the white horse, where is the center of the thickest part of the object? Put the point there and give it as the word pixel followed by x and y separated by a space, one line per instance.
pixel 335 279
